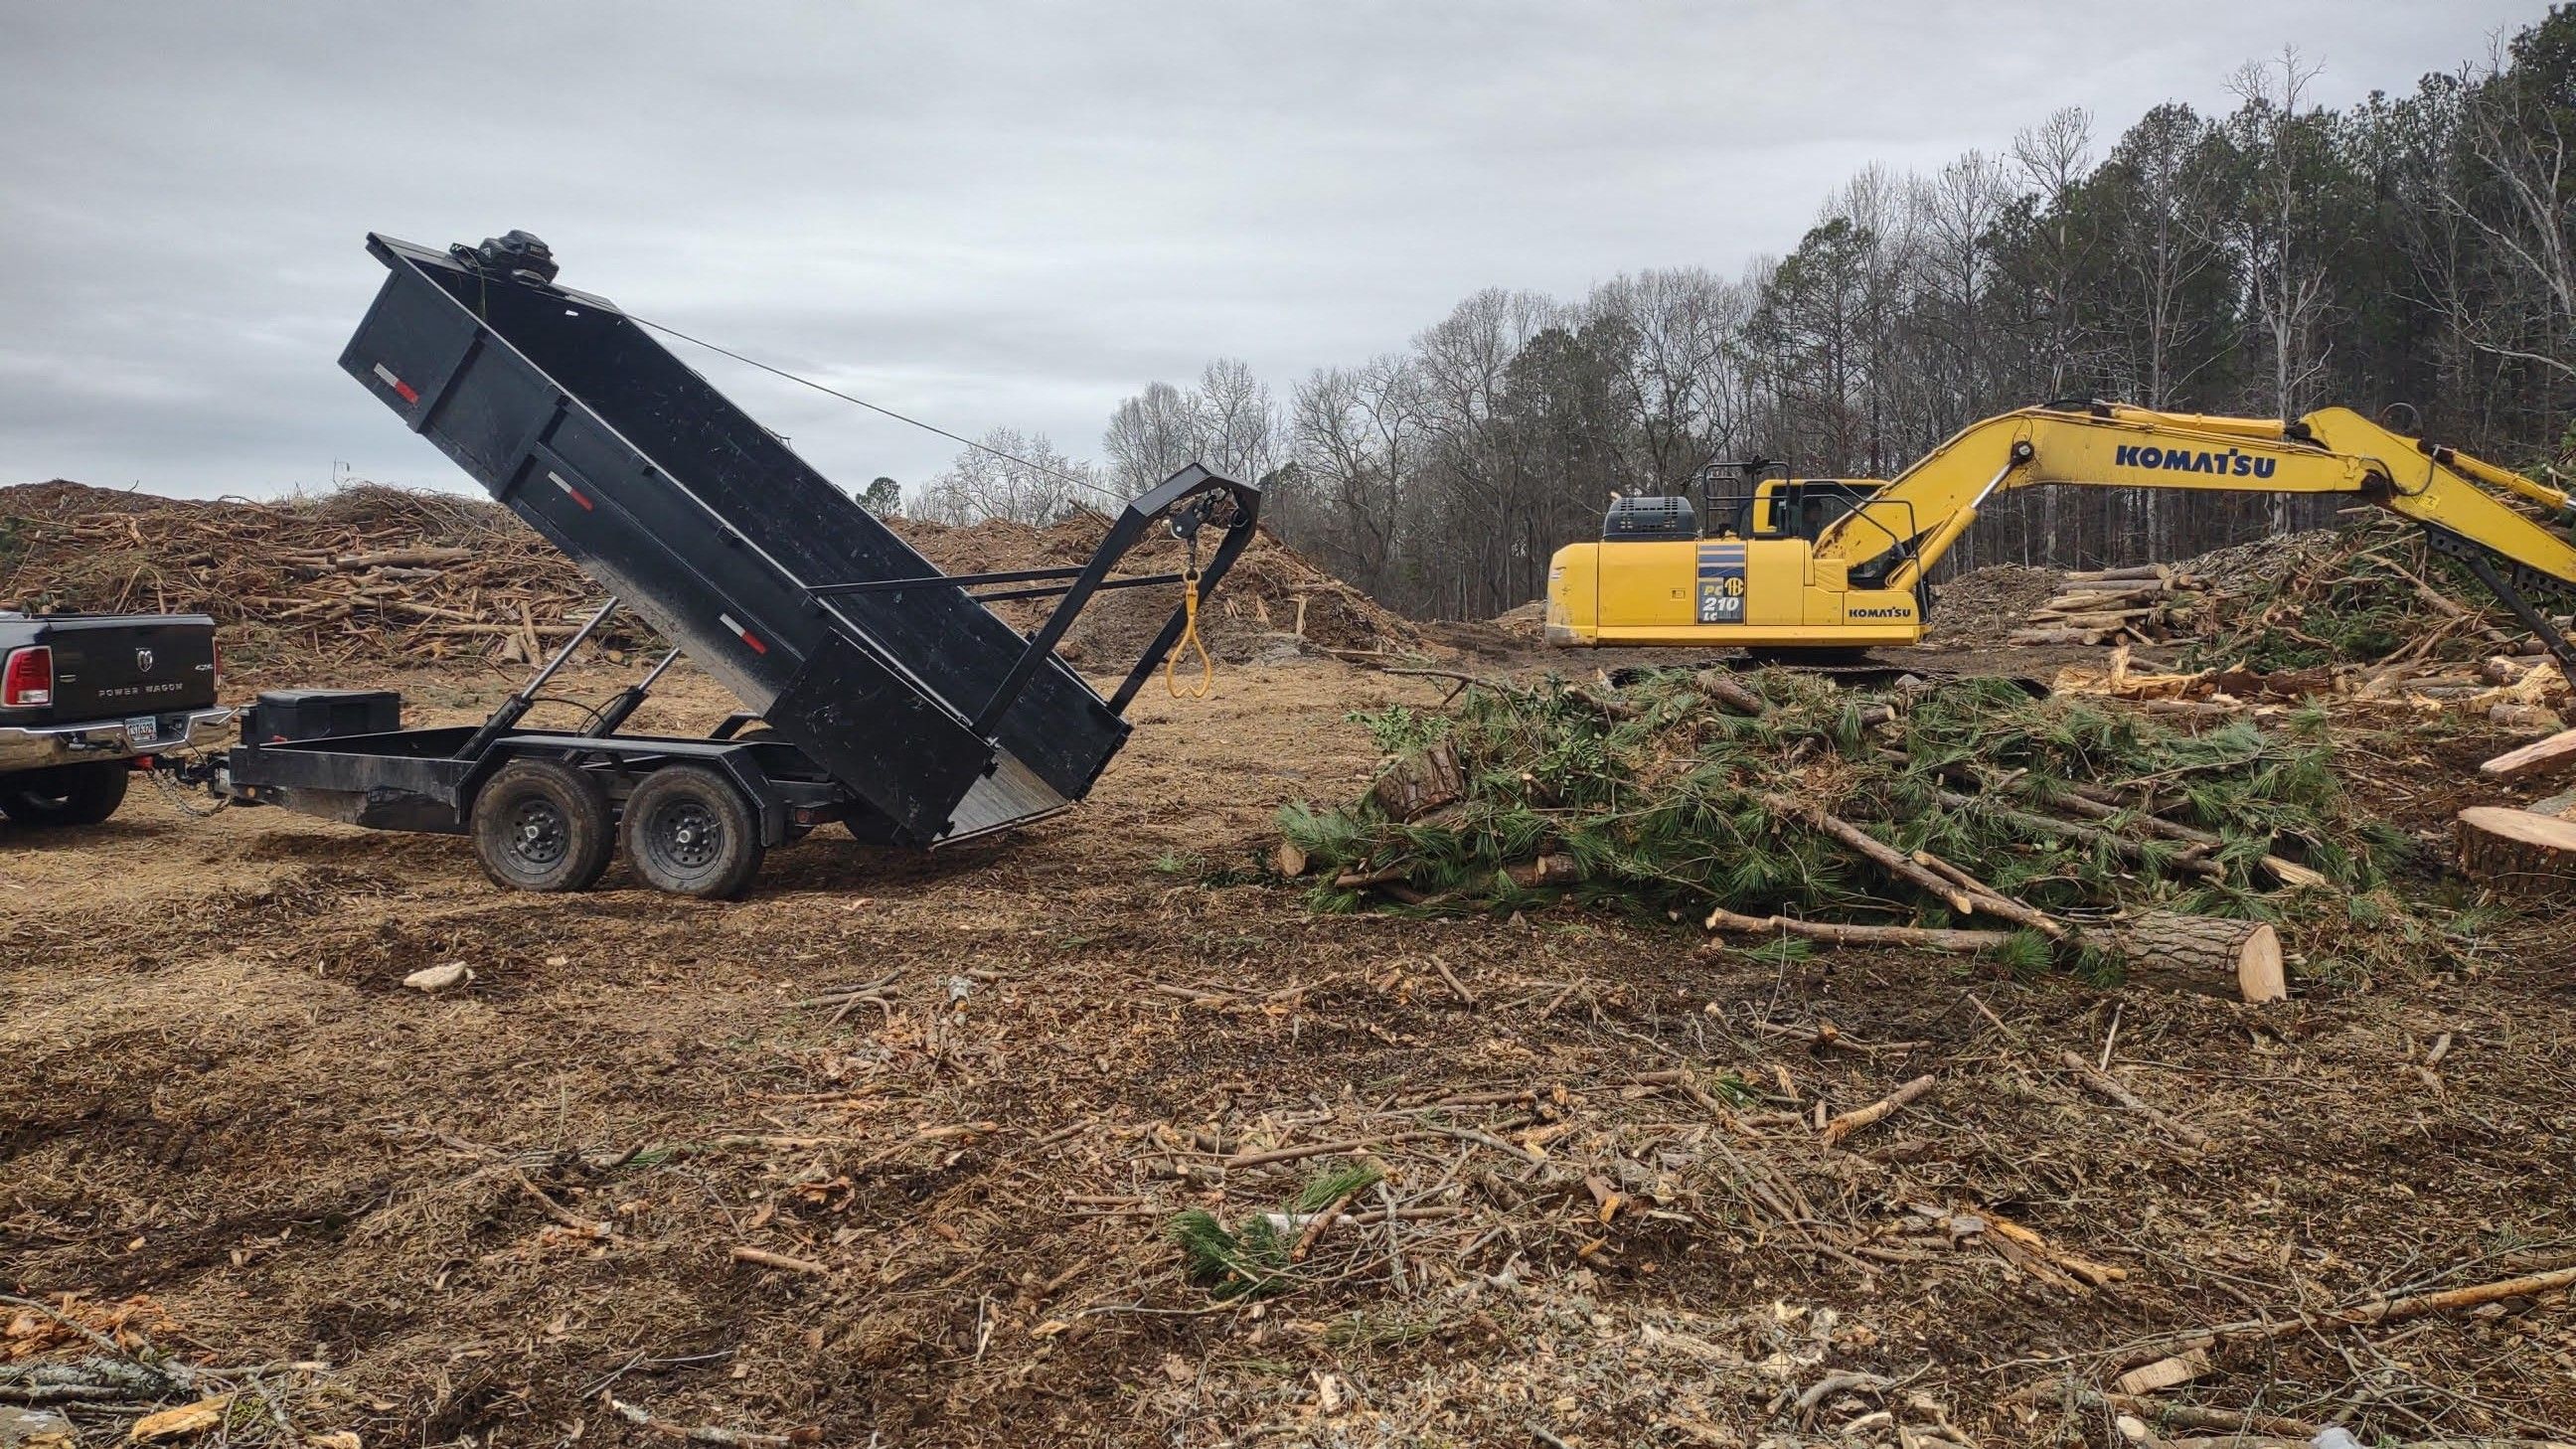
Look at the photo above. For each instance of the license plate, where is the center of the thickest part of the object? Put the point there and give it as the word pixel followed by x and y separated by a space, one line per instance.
pixel 143 730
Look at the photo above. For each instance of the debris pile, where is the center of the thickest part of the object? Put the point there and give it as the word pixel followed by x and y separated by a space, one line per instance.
pixel 363 573
pixel 1963 816
pixel 2369 595
pixel 393 577
pixel 1982 605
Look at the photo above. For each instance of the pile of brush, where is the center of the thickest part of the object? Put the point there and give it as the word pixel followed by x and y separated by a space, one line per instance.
pixel 1964 815
pixel 2374 597
pixel 364 573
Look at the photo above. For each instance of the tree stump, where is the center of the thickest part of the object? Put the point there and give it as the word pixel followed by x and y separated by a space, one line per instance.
pixel 2199 952
pixel 2517 853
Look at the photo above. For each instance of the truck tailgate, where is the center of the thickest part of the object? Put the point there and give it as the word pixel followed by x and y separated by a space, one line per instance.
pixel 110 666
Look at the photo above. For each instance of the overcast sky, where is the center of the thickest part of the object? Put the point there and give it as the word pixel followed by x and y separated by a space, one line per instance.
pixel 982 214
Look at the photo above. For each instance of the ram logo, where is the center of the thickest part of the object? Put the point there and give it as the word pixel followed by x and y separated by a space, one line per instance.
pixel 143 661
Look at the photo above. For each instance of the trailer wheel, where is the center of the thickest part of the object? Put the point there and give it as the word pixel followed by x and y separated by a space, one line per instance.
pixel 84 794
pixel 542 826
pixel 689 831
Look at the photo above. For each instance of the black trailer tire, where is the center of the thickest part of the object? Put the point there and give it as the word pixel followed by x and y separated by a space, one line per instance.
pixel 83 794
pixel 690 832
pixel 539 825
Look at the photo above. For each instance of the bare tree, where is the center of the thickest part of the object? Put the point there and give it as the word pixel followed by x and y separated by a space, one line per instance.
pixel 1011 475
pixel 1228 422
pixel 2053 158
pixel 2519 197
pixel 1684 386
pixel 1149 435
pixel 2286 279
pixel 1359 434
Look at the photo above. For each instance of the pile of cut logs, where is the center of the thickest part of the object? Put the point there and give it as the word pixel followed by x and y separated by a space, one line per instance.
pixel 2145 604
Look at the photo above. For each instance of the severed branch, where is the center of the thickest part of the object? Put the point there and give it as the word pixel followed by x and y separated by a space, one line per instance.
pixel 2109 1086
pixel 1990 901
pixel 1833 933
pixel 741 1438
pixel 1859 1117
pixel 2120 845
pixel 1878 852
pixel 2373 1311
pixel 766 1259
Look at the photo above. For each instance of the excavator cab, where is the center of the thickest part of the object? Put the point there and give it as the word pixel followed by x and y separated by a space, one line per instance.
pixel 1740 567
pixel 1806 507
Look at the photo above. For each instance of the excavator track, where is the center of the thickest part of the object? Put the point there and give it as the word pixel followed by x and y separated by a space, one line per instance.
pixel 1860 669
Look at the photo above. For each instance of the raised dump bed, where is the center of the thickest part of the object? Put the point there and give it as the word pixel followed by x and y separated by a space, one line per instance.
pixel 934 719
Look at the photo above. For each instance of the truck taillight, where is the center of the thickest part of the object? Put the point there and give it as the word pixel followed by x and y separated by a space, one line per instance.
pixel 28 677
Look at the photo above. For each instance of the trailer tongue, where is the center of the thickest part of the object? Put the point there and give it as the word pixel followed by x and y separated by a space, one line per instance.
pixel 893 698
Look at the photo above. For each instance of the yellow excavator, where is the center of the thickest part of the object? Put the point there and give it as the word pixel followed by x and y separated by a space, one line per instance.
pixel 1820 566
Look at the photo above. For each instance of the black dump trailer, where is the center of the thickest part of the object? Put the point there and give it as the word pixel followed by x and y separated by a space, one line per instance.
pixel 887 695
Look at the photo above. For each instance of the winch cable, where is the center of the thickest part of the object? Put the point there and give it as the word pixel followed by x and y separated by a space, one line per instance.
pixel 1056 473
pixel 1189 640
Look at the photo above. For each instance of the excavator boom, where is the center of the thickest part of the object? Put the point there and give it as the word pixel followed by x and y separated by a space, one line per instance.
pixel 1860 580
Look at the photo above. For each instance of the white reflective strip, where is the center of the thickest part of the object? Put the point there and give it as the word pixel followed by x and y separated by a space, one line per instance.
pixel 557 480
pixel 387 374
pixel 728 621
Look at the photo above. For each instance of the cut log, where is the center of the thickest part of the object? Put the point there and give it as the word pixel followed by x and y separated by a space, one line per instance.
pixel 2089 618
pixel 2525 717
pixel 2541 757
pixel 2116 586
pixel 1727 692
pixel 1420 783
pixel 2518 853
pixel 2198 952
pixel 1547 870
pixel 2056 636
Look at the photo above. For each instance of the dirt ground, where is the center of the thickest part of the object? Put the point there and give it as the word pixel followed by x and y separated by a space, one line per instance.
pixel 497 1214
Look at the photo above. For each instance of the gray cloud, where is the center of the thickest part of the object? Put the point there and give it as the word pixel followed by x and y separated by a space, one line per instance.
pixel 982 214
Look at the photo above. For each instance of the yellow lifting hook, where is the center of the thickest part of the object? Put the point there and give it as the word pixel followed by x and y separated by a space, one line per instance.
pixel 1190 639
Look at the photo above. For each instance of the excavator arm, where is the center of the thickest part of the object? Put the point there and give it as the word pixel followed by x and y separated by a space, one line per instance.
pixel 1896 536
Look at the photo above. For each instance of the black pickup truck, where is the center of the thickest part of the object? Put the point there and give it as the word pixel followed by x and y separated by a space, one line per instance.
pixel 85 699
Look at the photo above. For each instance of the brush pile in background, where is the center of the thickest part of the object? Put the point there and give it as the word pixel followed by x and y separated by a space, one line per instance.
pixel 361 574
pixel 389 577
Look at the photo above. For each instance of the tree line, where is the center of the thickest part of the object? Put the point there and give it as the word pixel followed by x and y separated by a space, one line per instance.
pixel 2412 256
